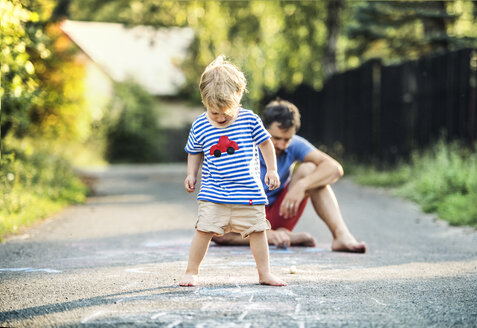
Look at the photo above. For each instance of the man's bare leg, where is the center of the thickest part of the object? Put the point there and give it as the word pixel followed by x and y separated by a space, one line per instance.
pixel 326 206
pixel 299 238
pixel 231 239
pixel 295 239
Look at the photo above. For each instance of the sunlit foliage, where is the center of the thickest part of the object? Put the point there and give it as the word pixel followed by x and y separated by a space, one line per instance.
pixel 33 185
pixel 42 114
pixel 282 43
pixel 399 30
pixel 275 43
pixel 132 126
pixel 41 80
pixel 18 80
pixel 442 180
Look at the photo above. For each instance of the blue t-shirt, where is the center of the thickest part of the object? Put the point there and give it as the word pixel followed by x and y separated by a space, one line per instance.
pixel 232 175
pixel 297 150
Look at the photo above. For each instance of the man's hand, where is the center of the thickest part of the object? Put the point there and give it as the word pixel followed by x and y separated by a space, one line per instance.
pixel 272 180
pixel 292 200
pixel 278 238
pixel 189 183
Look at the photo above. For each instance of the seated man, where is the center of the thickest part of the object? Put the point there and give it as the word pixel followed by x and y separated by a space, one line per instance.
pixel 305 172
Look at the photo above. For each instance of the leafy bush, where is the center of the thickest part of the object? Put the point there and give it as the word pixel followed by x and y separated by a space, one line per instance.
pixel 133 133
pixel 43 115
pixel 33 186
pixel 17 72
pixel 442 179
pixel 371 176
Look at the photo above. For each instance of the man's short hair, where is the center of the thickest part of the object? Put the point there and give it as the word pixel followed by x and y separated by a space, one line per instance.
pixel 283 112
pixel 222 85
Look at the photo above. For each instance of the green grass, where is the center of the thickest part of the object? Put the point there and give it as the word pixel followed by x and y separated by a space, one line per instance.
pixel 34 186
pixel 442 180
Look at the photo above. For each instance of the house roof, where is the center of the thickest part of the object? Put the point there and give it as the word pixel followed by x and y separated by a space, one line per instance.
pixel 145 54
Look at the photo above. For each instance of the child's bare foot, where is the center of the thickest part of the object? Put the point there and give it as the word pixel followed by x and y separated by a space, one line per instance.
pixel 348 244
pixel 271 280
pixel 189 280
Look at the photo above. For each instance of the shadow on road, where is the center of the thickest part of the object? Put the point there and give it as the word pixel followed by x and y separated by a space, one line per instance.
pixel 89 302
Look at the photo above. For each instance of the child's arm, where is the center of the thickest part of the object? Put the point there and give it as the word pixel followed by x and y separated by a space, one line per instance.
pixel 193 165
pixel 268 153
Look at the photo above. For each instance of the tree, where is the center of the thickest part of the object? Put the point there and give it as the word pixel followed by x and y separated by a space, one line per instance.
pixel 397 30
pixel 333 25
pixel 276 43
pixel 133 133
pixel 18 77
pixel 41 80
pixel 40 94
pixel 285 43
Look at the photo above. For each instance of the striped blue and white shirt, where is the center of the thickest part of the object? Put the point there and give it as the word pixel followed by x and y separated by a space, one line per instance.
pixel 232 174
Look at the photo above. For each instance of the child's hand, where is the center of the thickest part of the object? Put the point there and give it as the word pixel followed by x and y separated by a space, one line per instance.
pixel 189 183
pixel 272 180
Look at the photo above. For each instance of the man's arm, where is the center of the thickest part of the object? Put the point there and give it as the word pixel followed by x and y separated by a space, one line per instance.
pixel 193 164
pixel 327 171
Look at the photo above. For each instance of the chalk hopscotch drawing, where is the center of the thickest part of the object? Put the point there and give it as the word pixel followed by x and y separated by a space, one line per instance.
pixel 30 270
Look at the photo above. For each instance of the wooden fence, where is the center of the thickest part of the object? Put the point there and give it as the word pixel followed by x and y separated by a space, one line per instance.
pixel 378 112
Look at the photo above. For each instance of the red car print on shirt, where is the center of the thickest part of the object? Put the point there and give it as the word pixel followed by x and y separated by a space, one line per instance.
pixel 224 145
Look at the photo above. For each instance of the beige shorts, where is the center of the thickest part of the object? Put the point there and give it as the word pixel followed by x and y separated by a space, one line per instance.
pixel 223 218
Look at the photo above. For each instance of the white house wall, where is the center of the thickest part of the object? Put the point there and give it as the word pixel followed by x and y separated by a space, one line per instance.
pixel 146 55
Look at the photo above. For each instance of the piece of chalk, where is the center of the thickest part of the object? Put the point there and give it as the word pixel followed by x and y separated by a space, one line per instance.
pixel 293 269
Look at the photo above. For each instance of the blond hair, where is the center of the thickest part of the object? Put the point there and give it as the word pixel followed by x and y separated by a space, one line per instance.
pixel 222 85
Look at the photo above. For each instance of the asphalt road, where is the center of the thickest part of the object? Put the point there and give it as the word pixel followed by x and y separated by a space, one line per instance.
pixel 116 261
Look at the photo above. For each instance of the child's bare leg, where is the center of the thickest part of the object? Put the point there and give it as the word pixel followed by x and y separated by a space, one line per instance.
pixel 198 249
pixel 259 246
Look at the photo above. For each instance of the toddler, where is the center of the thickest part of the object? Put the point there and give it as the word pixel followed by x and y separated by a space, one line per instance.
pixel 224 140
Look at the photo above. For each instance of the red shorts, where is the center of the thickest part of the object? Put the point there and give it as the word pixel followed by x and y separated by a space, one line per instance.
pixel 278 221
